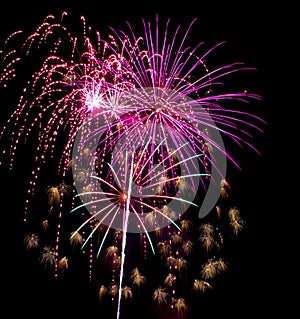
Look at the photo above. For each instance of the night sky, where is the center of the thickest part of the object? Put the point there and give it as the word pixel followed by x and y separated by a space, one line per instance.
pixel 249 287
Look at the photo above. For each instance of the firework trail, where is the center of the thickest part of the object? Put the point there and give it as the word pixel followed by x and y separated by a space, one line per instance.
pixel 124 229
pixel 134 124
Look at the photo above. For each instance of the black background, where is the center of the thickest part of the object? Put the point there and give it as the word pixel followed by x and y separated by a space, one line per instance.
pixel 251 32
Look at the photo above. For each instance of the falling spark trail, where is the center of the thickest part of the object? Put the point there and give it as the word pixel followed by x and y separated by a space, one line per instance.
pixel 125 225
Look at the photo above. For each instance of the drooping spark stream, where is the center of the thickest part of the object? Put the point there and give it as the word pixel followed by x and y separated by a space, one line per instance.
pixel 124 238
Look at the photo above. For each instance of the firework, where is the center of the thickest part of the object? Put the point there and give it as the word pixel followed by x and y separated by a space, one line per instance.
pixel 133 125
